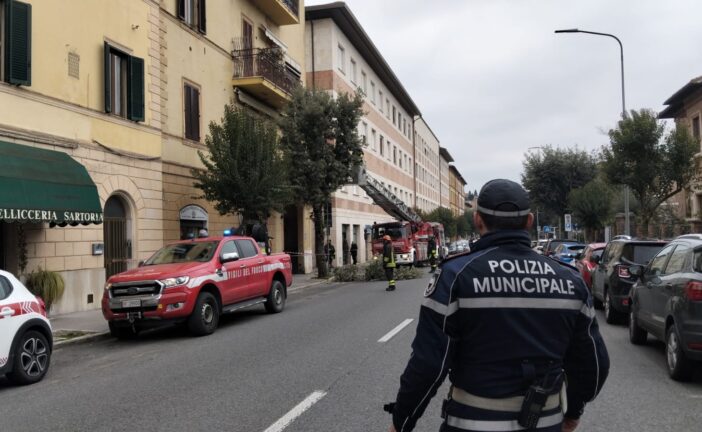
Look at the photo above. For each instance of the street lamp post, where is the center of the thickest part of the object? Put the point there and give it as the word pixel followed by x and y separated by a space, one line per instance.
pixel 621 57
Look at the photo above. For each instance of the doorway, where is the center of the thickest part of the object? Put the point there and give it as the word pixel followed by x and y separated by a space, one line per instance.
pixel 118 246
pixel 291 238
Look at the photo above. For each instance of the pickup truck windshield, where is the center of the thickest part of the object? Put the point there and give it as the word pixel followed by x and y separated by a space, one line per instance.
pixel 184 252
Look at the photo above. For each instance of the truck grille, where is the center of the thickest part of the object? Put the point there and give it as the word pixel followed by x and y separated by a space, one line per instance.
pixel 135 288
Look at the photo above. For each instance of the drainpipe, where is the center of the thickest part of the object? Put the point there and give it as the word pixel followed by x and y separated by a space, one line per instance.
pixel 314 87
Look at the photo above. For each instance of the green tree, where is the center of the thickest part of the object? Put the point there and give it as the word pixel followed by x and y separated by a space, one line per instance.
pixel 592 205
pixel 445 217
pixel 321 141
pixel 462 226
pixel 244 167
pixel 550 175
pixel 654 165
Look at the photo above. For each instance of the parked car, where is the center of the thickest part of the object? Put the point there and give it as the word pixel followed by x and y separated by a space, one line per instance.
pixel 666 301
pixel 552 244
pixel 25 333
pixel 586 261
pixel 611 280
pixel 566 252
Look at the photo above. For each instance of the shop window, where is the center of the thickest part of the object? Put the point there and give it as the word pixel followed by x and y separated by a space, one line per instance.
pixel 192 219
pixel 124 84
pixel 192 13
pixel 16 42
pixel 191 98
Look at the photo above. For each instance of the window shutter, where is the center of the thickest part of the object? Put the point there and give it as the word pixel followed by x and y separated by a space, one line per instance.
pixel 135 89
pixel 188 108
pixel 196 113
pixel 108 79
pixel 202 22
pixel 181 9
pixel 18 60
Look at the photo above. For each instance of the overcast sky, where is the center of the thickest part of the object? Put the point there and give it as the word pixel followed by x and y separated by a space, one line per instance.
pixel 492 79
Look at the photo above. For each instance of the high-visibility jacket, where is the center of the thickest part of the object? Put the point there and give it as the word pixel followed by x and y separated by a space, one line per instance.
pixel 388 255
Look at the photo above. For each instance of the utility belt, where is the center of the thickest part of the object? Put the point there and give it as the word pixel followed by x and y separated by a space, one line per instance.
pixel 538 399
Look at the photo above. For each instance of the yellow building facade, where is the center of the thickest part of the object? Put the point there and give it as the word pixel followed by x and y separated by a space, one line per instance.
pixel 95 135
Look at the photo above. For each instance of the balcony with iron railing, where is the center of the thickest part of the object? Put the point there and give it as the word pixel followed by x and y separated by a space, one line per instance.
pixel 281 12
pixel 262 73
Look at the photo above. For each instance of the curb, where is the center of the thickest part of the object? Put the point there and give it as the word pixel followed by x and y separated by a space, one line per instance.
pixel 310 285
pixel 82 339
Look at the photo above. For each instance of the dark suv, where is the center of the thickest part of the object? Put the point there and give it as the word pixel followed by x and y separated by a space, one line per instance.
pixel 611 280
pixel 667 302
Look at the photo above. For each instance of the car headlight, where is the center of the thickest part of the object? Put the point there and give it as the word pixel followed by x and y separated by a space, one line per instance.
pixel 404 256
pixel 108 285
pixel 176 281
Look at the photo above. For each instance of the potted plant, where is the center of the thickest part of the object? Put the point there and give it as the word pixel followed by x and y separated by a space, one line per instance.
pixel 46 284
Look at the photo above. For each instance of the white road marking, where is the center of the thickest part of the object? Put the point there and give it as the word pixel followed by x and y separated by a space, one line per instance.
pixel 296 412
pixel 396 330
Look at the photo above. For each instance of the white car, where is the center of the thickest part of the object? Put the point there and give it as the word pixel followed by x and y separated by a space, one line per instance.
pixel 25 333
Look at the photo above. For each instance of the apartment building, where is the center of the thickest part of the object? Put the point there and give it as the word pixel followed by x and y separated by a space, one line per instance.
pixel 445 159
pixel 457 185
pixel 246 52
pixel 685 107
pixel 341 58
pixel 103 108
pixel 427 167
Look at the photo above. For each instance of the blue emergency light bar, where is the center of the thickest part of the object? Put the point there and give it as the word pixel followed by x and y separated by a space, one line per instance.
pixel 227 232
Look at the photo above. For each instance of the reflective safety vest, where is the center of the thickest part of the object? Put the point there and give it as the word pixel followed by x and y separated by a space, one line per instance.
pixel 388 256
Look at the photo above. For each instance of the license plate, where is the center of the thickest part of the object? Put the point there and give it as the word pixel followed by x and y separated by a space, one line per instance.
pixel 131 303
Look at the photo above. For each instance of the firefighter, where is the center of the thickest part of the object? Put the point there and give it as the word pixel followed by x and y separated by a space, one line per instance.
pixel 433 253
pixel 389 262
pixel 509 327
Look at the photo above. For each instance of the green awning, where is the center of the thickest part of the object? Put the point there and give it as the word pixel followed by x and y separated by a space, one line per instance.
pixel 39 185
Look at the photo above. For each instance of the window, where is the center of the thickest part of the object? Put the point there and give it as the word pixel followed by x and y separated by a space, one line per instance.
pixel 659 261
pixel 342 59
pixel 124 84
pixel 400 159
pixel 373 139
pixel 364 133
pixel 16 42
pixel 394 115
pixel 246 248
pixel 354 77
pixel 394 155
pixel 372 94
pixel 380 100
pixel 382 145
pixel 5 288
pixel 192 12
pixel 229 247
pixel 677 260
pixel 363 82
pixel 191 102
pixel 696 128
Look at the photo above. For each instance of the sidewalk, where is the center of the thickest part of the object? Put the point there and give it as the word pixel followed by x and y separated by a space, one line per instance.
pixel 88 325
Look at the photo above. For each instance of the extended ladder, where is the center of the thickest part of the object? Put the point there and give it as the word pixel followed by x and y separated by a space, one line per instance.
pixel 384 197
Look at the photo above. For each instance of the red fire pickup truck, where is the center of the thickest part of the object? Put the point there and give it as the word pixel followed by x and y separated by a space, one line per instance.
pixel 195 281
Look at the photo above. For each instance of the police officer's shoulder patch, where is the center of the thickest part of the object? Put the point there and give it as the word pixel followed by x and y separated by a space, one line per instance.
pixel 432 284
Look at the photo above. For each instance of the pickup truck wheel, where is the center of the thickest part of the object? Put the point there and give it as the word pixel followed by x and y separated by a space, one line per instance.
pixel 122 332
pixel 31 361
pixel 205 316
pixel 276 298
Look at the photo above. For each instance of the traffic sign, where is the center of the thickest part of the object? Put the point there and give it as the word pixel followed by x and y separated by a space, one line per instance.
pixel 568 223
pixel 547 229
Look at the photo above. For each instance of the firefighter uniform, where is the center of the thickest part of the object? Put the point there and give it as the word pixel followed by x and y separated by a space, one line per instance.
pixel 499 321
pixel 389 262
pixel 433 253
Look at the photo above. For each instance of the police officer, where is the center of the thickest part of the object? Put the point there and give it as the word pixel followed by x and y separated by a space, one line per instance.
pixel 433 254
pixel 389 262
pixel 509 327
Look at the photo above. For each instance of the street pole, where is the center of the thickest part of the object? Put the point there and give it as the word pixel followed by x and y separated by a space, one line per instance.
pixel 627 225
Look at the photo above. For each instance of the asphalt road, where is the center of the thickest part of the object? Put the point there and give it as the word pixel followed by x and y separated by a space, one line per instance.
pixel 252 374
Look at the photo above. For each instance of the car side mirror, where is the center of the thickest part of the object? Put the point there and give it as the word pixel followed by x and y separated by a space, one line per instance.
pixel 596 259
pixel 229 257
pixel 578 256
pixel 141 263
pixel 636 271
